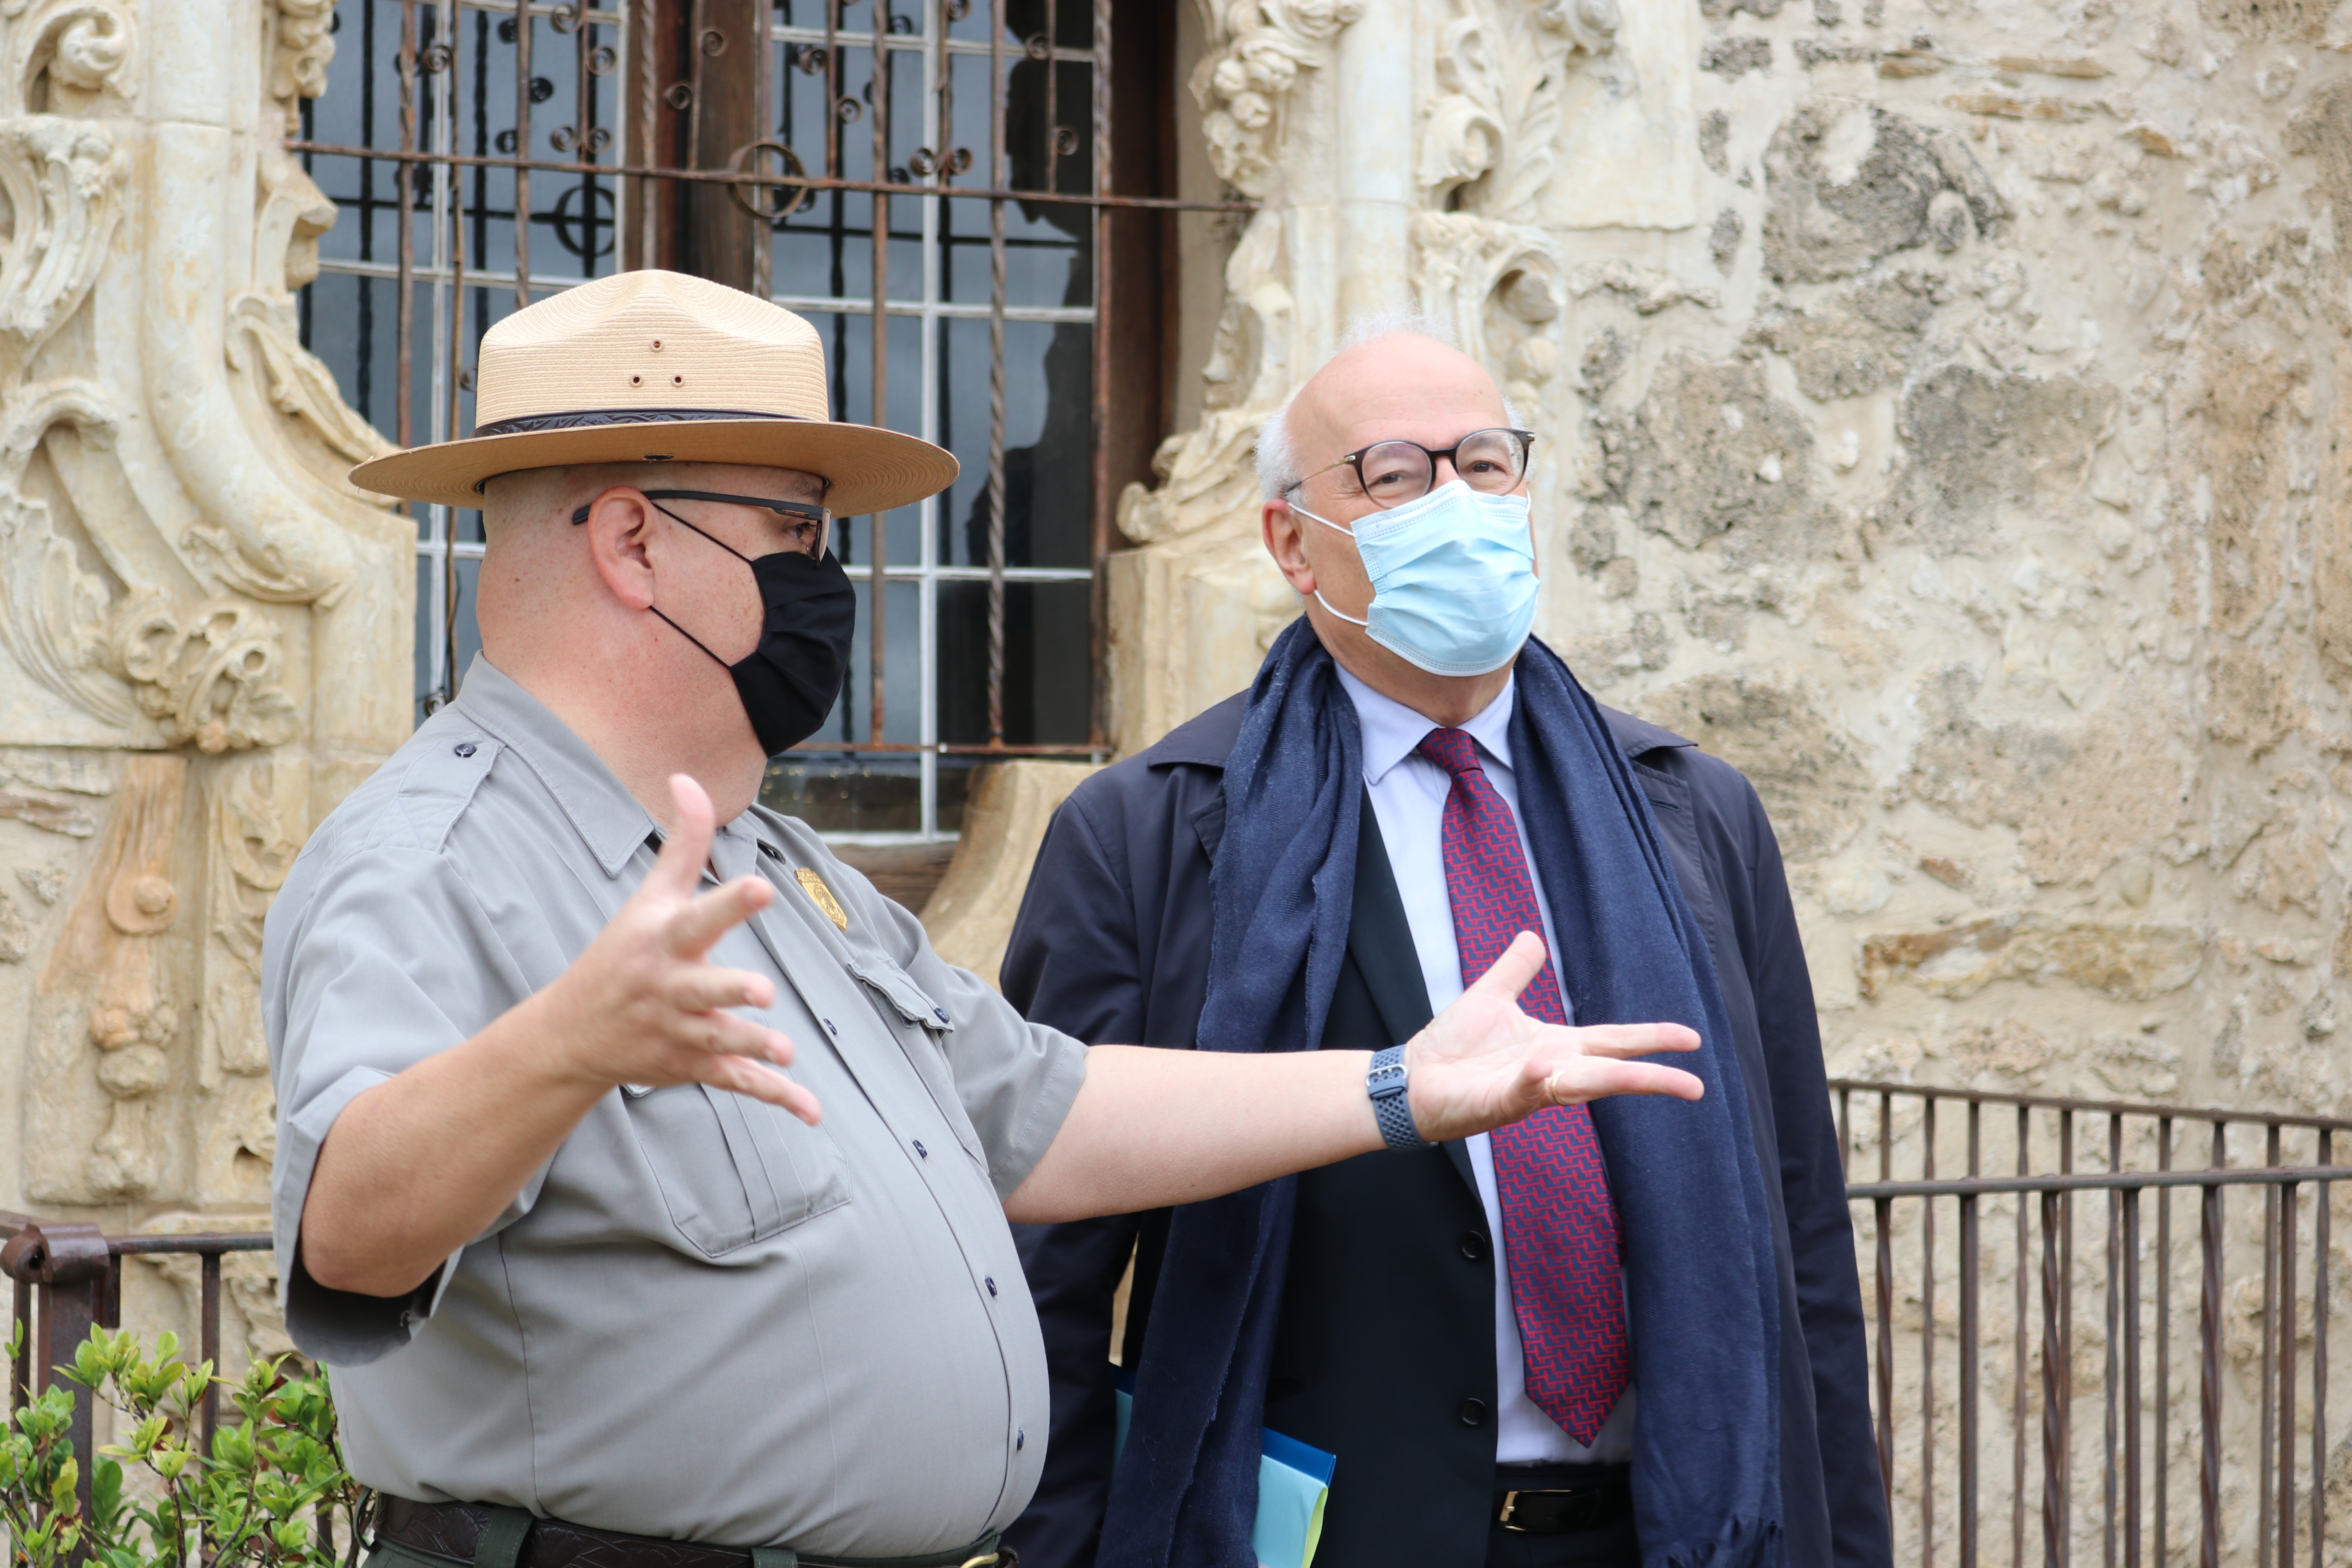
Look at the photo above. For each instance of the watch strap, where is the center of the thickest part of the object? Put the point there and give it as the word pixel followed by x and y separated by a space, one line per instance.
pixel 1386 1083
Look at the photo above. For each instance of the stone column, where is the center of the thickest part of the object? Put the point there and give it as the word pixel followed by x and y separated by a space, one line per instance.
pixel 205 631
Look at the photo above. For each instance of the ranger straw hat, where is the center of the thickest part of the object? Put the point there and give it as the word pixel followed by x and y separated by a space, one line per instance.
pixel 656 367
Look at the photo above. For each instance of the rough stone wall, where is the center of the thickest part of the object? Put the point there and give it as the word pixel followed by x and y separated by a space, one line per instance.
pixel 1942 408
pixel 1991 524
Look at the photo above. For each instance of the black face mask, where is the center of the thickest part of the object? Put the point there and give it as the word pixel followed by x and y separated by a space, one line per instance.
pixel 789 681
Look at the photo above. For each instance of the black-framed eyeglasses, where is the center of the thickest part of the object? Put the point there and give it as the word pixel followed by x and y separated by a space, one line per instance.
pixel 1394 472
pixel 809 525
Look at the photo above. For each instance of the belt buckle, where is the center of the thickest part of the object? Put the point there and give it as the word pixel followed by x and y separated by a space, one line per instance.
pixel 1586 1500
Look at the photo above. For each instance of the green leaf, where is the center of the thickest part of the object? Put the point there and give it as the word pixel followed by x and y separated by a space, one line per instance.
pixel 105 1492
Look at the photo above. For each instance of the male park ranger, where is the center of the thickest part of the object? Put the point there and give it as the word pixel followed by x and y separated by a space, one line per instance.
pixel 598 1285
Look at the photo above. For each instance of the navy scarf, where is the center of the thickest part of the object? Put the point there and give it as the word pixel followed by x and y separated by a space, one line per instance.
pixel 1701 1281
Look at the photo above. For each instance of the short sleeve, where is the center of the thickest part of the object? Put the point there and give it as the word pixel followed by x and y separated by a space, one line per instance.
pixel 369 966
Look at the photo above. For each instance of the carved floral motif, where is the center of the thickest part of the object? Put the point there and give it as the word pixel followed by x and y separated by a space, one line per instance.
pixel 81 44
pixel 64 180
pixel 205 672
pixel 1502 71
pixel 298 64
pixel 300 385
pixel 1258 48
pixel 54 615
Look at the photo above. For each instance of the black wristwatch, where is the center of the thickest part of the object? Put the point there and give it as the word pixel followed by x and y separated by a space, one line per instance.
pixel 1386 1084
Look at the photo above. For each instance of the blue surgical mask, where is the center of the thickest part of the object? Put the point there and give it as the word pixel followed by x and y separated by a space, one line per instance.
pixel 1454 578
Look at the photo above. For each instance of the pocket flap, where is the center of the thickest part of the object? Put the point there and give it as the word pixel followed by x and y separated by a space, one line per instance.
pixel 911 1000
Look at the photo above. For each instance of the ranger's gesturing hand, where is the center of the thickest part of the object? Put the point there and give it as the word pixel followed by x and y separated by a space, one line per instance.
pixel 643 1004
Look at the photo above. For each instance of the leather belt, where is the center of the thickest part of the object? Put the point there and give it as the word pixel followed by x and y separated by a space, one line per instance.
pixel 487 1537
pixel 1561 1511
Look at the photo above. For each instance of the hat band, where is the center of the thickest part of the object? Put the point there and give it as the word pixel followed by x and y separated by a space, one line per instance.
pixel 529 424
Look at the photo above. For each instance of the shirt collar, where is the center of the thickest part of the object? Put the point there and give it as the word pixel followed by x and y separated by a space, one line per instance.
pixel 602 811
pixel 1391 730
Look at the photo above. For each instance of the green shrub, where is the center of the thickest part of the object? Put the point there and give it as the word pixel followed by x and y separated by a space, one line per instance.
pixel 273 1493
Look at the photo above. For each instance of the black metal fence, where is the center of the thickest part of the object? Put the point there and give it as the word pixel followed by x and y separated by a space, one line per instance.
pixel 2199 1444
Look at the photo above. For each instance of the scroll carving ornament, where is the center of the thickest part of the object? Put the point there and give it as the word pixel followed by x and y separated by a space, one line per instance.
pixel 263 344
pixel 298 64
pixel 1258 50
pixel 80 44
pixel 1502 73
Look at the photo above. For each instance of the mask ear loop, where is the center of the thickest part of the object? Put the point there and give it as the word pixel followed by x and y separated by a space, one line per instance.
pixel 731 550
pixel 1318 593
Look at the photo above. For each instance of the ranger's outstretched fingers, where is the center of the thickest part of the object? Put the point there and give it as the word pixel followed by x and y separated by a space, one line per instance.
pixel 706 987
pixel 678 868
pixel 690 932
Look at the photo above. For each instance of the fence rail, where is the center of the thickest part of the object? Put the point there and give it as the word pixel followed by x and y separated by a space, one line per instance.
pixel 68 1280
pixel 2246 1366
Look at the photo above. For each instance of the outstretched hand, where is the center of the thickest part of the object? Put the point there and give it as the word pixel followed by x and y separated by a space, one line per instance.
pixel 643 1005
pixel 1484 1063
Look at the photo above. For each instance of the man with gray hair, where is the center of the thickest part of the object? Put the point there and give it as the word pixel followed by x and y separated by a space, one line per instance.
pixel 1627 1335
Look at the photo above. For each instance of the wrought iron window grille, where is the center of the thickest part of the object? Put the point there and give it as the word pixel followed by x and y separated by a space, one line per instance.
pixel 485 153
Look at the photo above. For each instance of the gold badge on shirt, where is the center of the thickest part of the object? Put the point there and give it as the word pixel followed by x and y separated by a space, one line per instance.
pixel 822 896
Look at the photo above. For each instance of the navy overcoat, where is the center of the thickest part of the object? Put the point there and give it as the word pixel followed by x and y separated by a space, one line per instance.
pixel 1112 945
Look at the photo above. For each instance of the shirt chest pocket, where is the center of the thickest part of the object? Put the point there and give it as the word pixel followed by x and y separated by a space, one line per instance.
pixel 732 1169
pixel 925 1032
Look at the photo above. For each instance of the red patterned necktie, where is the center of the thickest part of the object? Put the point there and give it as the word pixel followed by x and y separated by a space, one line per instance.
pixel 1559 1228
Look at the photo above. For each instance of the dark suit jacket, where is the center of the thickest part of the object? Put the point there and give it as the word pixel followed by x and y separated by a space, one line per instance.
pixel 1386 1351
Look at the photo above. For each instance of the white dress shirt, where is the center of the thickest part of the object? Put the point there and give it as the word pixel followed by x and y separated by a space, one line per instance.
pixel 1409 794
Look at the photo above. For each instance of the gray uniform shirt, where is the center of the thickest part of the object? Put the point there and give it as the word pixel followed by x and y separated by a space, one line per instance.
pixel 702 1319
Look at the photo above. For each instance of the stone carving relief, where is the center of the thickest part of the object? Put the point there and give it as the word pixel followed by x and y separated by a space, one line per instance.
pixel 80 45
pixel 1259 48
pixel 205 673
pixel 300 55
pixel 64 180
pixel 55 615
pixel 114 953
pixel 203 629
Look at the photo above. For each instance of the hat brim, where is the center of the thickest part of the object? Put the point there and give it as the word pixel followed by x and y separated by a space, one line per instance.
pixel 871 469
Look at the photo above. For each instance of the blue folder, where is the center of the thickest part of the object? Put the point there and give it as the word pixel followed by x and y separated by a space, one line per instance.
pixel 1293 1483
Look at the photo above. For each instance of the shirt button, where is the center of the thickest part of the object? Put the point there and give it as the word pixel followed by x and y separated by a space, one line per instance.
pixel 830 1030
pixel 1019 1439
pixel 466 747
pixel 926 1154
pixel 1473 1245
pixel 941 1014
pixel 992 1286
pixel 1472 1411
